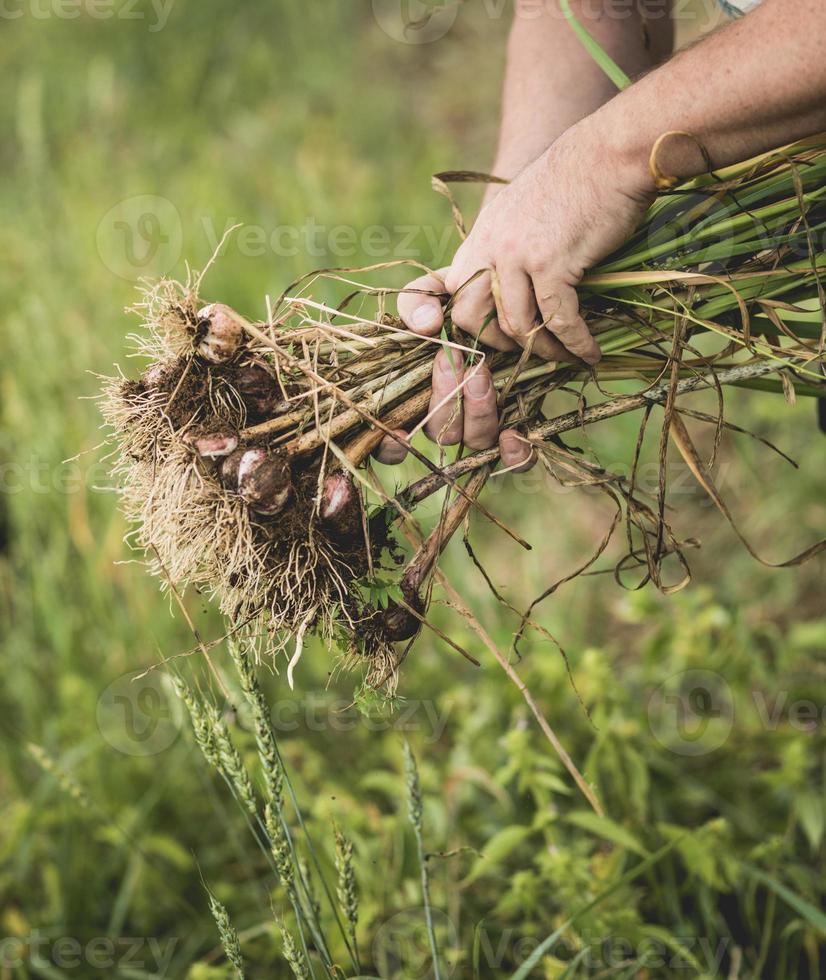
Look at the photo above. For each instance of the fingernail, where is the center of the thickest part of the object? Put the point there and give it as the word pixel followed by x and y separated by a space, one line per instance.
pixel 478 385
pixel 425 316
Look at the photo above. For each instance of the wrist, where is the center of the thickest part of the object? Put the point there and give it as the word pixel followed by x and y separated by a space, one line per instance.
pixel 609 148
pixel 646 157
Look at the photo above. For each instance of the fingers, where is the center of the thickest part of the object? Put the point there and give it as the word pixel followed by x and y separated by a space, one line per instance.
pixel 423 314
pixel 481 418
pixel 469 414
pixel 559 308
pixel 493 336
pixel 445 423
pixel 516 454
pixel 518 316
pixel 481 426
pixel 473 308
pixel 472 302
pixel 390 451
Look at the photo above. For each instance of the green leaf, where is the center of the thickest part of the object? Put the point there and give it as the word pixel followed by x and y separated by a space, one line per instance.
pixel 378 592
pixel 477 947
pixel 496 850
pixel 809 912
pixel 607 829
pixel 706 852
pixel 552 782
pixel 375 703
pixel 810 812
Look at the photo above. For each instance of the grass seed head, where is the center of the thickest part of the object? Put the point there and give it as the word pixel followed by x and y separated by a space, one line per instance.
pixel 294 956
pixel 228 934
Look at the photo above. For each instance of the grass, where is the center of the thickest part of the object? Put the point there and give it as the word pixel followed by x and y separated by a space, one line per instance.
pixel 216 114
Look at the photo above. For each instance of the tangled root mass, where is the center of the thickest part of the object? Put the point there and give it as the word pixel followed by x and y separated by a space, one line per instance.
pixel 280 542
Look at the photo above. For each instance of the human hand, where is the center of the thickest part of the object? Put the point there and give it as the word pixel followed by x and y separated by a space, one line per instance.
pixel 560 216
pixel 539 235
pixel 463 399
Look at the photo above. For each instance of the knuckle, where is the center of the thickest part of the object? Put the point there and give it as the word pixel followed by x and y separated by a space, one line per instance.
pixel 507 327
pixel 550 310
pixel 515 320
pixel 452 281
pixel 537 264
pixel 468 318
pixel 457 275
pixel 420 282
pixel 565 327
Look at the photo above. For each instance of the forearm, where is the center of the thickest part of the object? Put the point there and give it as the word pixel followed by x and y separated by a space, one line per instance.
pixel 757 84
pixel 551 82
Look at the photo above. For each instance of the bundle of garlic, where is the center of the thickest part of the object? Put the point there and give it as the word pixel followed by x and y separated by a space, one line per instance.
pixel 241 451
pixel 217 496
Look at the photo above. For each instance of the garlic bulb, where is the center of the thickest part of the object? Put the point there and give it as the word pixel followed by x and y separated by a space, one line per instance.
pixel 223 335
pixel 263 481
pixel 212 445
pixel 340 507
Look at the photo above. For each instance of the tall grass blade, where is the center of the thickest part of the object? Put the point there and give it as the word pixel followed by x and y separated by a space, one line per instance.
pixel 595 49
pixel 809 912
pixel 414 807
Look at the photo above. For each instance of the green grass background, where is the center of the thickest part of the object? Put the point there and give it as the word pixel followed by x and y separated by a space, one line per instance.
pixel 275 115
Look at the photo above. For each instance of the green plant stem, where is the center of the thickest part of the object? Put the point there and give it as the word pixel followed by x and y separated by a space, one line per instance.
pixel 428 907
